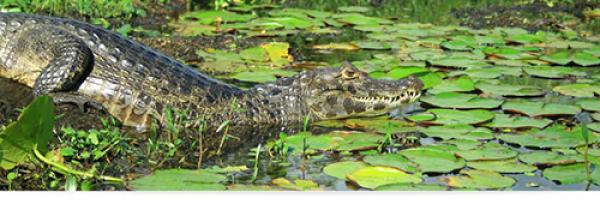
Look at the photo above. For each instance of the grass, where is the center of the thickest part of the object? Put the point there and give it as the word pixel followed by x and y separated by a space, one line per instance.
pixel 84 8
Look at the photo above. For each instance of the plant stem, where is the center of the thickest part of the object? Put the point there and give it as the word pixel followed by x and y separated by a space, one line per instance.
pixel 73 171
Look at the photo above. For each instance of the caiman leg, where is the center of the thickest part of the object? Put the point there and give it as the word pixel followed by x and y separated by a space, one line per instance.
pixel 69 62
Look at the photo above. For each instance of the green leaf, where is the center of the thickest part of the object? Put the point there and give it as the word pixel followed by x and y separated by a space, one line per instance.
pixel 179 180
pixel 411 187
pixel 569 174
pixel 375 176
pixel 458 62
pixel 486 152
pixel 459 100
pixel 549 158
pixel 508 90
pixel 391 160
pixel 458 131
pixel 502 166
pixel 480 179
pixel 553 72
pixel 536 109
pixel 447 116
pixel 298 184
pixel 341 170
pixel 578 90
pixel 585 59
pixel 556 136
pixel 433 160
pixel 32 128
pixel 358 9
pixel 589 104
pixel 461 84
pixel 508 121
pixel 560 58
pixel 210 17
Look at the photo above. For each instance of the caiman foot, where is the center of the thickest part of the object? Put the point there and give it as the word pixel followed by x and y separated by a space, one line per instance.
pixel 83 103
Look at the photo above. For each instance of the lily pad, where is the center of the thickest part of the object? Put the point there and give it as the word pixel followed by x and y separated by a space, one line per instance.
pixel 391 160
pixel 508 121
pixel 487 152
pixel 589 104
pixel 509 90
pixel 342 169
pixel 210 17
pixel 375 176
pixel 412 187
pixel 180 180
pixel 448 116
pixel 548 158
pixel 502 166
pixel 298 184
pixel 585 59
pixel 560 58
pixel 320 142
pixel 556 136
pixel 458 62
pixel 461 84
pixel 459 100
pixel 490 73
pixel 570 174
pixel 553 72
pixel 480 179
pixel 430 160
pixel 458 131
pixel 578 90
pixel 535 109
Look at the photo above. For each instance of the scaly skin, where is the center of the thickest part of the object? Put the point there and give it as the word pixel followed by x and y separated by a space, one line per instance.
pixel 135 84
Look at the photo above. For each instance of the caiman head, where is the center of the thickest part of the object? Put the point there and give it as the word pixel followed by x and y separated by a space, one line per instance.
pixel 348 92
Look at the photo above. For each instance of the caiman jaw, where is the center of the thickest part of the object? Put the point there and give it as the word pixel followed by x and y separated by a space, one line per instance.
pixel 405 97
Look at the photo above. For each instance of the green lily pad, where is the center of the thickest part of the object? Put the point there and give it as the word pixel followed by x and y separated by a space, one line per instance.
pixel 489 73
pixel 461 84
pixel 433 160
pixel 298 184
pixel 277 52
pixel 594 127
pixel 431 79
pixel 502 166
pixel 320 142
pixel 359 19
pixel 459 100
pixel 458 62
pixel 509 90
pixel 458 131
pixel 548 158
pixel 535 109
pixel 578 90
pixel 570 174
pixel 486 152
pixel 556 136
pixel 447 116
pixel 585 59
pixel 352 141
pixel 255 54
pixel 508 53
pixel 358 9
pixel 179 180
pixel 373 45
pixel 342 169
pixel 412 187
pixel 480 179
pixel 508 121
pixel 462 144
pixel 553 72
pixel 589 104
pixel 560 58
pixel 378 125
pixel 459 45
pixel 210 17
pixel 391 160
pixel 375 176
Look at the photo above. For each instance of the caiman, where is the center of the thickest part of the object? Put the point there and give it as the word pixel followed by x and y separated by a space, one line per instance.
pixel 72 60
